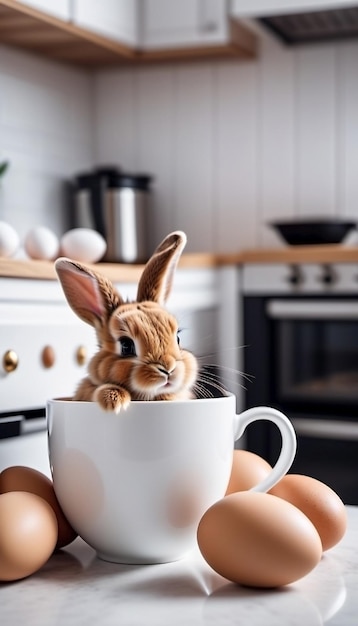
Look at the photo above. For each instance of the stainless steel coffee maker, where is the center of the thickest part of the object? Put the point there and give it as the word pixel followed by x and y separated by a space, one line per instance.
pixel 117 205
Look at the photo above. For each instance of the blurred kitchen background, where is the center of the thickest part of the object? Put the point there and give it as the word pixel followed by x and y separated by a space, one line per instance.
pixel 231 143
pixel 204 104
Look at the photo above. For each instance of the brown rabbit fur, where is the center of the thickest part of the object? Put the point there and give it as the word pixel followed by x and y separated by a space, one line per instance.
pixel 139 356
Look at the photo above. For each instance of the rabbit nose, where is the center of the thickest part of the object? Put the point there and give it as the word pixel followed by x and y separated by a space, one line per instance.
pixel 166 371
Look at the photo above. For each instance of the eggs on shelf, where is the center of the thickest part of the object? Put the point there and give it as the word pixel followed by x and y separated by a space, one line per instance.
pixel 83 244
pixel 9 240
pixel 41 243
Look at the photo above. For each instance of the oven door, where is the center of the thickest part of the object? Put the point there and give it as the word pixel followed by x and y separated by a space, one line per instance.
pixel 303 354
pixel 315 351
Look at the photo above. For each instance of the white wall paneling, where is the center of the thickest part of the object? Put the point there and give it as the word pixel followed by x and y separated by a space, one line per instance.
pixel 116 118
pixel 277 132
pixel 235 156
pixel 347 131
pixel 156 134
pixel 316 94
pixel 46 133
pixel 194 175
pixel 235 145
pixel 231 144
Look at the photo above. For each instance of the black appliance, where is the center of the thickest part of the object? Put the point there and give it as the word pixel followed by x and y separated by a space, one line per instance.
pixel 300 327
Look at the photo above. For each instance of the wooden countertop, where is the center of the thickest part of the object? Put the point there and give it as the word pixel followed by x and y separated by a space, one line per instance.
pixel 121 272
pixel 44 270
pixel 338 253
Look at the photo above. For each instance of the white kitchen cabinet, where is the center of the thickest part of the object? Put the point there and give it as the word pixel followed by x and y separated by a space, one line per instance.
pixel 116 19
pixel 240 8
pixel 58 8
pixel 168 24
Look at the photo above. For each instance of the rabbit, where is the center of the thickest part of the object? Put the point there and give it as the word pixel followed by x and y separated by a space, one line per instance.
pixel 139 356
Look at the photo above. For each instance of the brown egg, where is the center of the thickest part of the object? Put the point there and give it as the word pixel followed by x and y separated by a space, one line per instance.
pixel 248 470
pixel 19 478
pixel 28 534
pixel 258 540
pixel 319 502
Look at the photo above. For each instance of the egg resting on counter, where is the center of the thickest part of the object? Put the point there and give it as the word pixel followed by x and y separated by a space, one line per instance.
pixel 314 498
pixel 28 534
pixel 319 502
pixel 258 540
pixel 20 478
pixel 248 470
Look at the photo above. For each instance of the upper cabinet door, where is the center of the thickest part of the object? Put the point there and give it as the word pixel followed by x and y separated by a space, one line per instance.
pixel 168 23
pixel 116 19
pixel 58 8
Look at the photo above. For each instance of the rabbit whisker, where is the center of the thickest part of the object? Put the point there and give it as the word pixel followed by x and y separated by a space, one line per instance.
pixel 229 370
pixel 201 391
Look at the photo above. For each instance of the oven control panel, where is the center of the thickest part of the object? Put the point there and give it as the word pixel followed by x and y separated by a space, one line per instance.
pixel 261 279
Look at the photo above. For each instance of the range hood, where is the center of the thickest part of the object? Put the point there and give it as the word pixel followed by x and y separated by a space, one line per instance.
pixel 314 25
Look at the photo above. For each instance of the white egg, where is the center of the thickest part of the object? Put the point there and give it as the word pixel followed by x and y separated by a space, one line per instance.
pixel 83 244
pixel 9 240
pixel 41 243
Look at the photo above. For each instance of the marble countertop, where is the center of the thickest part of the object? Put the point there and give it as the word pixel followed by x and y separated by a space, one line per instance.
pixel 76 588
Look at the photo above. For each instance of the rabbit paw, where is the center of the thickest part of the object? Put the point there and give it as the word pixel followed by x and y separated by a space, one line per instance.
pixel 112 398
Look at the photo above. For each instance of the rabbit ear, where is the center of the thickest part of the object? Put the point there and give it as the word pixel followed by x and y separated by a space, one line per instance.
pixel 91 296
pixel 156 281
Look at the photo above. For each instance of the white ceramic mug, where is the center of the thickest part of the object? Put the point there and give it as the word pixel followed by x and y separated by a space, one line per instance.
pixel 135 485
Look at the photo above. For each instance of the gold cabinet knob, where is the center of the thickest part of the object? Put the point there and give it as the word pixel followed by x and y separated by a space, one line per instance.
pixel 10 361
pixel 48 357
pixel 81 355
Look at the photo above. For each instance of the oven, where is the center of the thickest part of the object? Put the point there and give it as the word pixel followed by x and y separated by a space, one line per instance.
pixel 44 349
pixel 300 331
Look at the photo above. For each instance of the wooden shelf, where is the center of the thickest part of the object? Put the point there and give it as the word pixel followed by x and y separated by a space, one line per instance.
pixel 26 28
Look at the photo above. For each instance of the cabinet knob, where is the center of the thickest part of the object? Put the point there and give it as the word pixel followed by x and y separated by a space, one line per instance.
pixel 10 361
pixel 48 356
pixel 295 277
pixel 328 276
pixel 81 355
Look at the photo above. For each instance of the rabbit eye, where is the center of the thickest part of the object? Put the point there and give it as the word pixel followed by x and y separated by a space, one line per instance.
pixel 178 338
pixel 127 347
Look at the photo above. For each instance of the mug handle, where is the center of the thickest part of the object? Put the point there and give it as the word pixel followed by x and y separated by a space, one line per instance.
pixel 289 441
